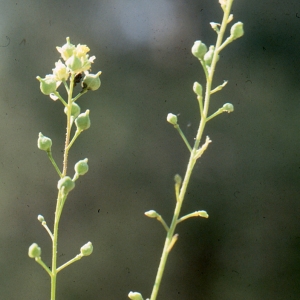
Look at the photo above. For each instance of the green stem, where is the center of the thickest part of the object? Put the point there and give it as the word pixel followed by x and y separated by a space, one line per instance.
pixel 68 131
pixel 77 257
pixel 61 196
pixel 219 111
pixel 79 95
pixel 77 133
pixel 176 126
pixel 162 221
pixel 49 153
pixel 193 157
pixel 39 261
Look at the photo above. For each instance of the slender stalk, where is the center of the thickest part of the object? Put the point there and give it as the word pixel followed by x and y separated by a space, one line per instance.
pixel 68 130
pixel 183 137
pixel 77 257
pixel 193 155
pixel 61 197
pixel 54 249
pixel 49 153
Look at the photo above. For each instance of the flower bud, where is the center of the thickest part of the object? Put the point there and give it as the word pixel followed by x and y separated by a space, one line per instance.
pixel 81 167
pixel 67 183
pixel 83 121
pixel 177 179
pixel 135 296
pixel 60 71
pixel 197 88
pixel 41 218
pixel 91 81
pixel 44 143
pixel 151 214
pixel 236 30
pixel 199 49
pixel 66 50
pixel 215 26
pixel 228 107
pixel 75 110
pixel 47 84
pixel 86 249
pixel 34 251
pixel 208 57
pixel 172 119
pixel 203 214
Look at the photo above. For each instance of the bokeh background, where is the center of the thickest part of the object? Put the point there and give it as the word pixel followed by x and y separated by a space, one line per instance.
pixel 248 179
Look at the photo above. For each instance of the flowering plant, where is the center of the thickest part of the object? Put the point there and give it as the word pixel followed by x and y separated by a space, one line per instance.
pixel 75 68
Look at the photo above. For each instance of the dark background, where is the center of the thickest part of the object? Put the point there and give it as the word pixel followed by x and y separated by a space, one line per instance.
pixel 248 179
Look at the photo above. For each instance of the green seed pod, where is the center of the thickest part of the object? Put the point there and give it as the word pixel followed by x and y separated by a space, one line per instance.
pixel 34 251
pixel 228 107
pixel 47 84
pixel 91 82
pixel 75 110
pixel 86 249
pixel 135 296
pixel 199 49
pixel 236 30
pixel 151 214
pixel 67 183
pixel 197 88
pixel 66 50
pixel 81 167
pixel 208 57
pixel 83 121
pixel 44 143
pixel 172 119
pixel 74 64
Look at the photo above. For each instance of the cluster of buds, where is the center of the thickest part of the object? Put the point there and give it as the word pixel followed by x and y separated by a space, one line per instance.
pixel 77 63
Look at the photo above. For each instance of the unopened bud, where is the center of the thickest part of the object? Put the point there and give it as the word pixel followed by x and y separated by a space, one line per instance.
pixel 236 30
pixel 199 49
pixel 197 88
pixel 177 179
pixel 60 71
pixel 208 57
pixel 203 214
pixel 34 251
pixel 151 214
pixel 86 249
pixel 41 218
pixel 135 296
pixel 171 118
pixel 228 107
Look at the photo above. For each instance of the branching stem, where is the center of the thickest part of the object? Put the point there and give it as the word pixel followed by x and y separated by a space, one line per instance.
pixel 169 242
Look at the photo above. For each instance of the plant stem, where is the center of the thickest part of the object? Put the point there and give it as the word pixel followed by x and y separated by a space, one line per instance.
pixel 61 196
pixel 68 130
pixel 49 153
pixel 77 257
pixel 193 155
pixel 183 137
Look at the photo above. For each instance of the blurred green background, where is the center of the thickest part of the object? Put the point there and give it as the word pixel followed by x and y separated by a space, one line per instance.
pixel 248 180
